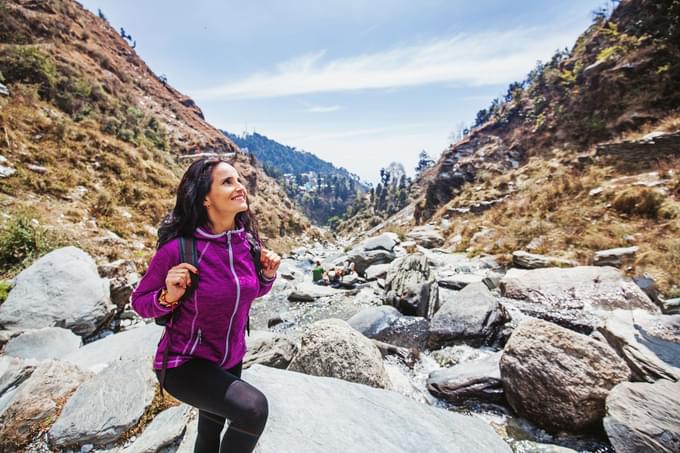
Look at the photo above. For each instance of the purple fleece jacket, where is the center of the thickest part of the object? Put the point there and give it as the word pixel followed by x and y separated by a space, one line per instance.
pixel 211 323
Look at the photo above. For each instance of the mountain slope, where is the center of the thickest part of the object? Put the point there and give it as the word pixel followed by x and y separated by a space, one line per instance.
pixel 95 138
pixel 537 171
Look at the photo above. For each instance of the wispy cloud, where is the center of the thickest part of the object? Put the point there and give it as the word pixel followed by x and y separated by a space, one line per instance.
pixel 323 108
pixel 479 59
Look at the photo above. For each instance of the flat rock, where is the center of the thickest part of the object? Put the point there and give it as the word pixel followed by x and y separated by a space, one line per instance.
pixel 13 371
pixel 140 342
pixel 269 349
pixel 615 257
pixel 90 415
pixel 545 362
pixel 385 241
pixel 643 418
pixel 376 271
pixel 526 260
pixel 309 292
pixel 471 315
pixel 650 344
pixel 61 289
pixel 475 381
pixel 332 424
pixel 164 430
pixel 579 298
pixel 45 343
pixel 332 348
pixel 36 402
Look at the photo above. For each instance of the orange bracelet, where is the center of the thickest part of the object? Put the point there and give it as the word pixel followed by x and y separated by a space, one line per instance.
pixel 164 302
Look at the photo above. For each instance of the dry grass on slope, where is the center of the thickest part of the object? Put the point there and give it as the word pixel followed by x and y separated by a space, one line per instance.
pixel 568 212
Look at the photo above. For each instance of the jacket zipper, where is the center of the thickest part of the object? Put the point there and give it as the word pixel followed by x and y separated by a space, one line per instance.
pixel 196 342
pixel 238 298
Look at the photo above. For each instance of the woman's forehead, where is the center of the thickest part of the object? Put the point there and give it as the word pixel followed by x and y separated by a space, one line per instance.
pixel 224 170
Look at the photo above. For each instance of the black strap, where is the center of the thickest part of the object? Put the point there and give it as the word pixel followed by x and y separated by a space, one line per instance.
pixel 184 244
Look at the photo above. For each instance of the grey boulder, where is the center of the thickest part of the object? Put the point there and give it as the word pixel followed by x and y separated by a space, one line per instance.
pixel 475 381
pixel 411 286
pixel 268 348
pixel 45 343
pixel 60 289
pixel 385 323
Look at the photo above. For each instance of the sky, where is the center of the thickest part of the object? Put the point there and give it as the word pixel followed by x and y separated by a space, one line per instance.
pixel 358 83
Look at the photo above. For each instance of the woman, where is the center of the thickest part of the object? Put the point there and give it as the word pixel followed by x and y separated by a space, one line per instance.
pixel 205 339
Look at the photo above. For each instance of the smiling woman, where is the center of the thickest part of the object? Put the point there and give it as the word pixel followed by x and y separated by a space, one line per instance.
pixel 199 356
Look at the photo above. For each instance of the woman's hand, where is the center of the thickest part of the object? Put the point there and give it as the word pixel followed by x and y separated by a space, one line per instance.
pixel 177 281
pixel 270 263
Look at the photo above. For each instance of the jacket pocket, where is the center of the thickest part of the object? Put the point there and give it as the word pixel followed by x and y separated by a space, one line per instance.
pixel 197 341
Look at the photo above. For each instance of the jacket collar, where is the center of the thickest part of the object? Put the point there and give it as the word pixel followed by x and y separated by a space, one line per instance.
pixel 204 232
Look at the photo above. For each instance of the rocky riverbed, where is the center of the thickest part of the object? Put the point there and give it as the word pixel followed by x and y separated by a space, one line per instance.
pixel 424 350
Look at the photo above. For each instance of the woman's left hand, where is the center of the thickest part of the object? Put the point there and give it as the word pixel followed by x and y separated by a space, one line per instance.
pixel 270 263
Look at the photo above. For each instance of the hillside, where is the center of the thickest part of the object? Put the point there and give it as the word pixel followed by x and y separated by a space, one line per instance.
pixel 92 140
pixel 542 171
pixel 322 190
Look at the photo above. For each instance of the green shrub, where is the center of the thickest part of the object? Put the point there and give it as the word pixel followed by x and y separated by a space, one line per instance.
pixel 28 64
pixel 5 287
pixel 22 241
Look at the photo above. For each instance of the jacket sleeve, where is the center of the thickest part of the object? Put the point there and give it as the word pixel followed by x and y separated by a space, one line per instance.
pixel 144 299
pixel 265 285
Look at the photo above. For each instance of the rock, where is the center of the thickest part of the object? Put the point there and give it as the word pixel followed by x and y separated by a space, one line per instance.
pixel 13 372
pixel 37 168
pixel 472 315
pixel 650 344
pixel 89 415
pixel 334 425
pixel 4 90
pixel 476 381
pixel 36 402
pixel 411 287
pixel 332 348
pixel 189 438
pixel 309 292
pixel 363 259
pixel 648 286
pixel 6 172
pixel 527 260
pixel 139 342
pixel 61 289
pixel 457 281
pixel 45 343
pixel 579 298
pixel 427 236
pixel 615 257
pixel 386 323
pixel 643 418
pixel 671 306
pixel 385 241
pixel 163 431
pixel 123 279
pixel 376 271
pixel 269 349
pixel 544 362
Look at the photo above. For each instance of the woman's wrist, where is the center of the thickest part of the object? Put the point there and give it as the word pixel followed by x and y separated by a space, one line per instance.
pixel 164 301
pixel 267 278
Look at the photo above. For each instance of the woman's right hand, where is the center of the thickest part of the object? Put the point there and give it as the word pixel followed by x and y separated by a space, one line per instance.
pixel 177 281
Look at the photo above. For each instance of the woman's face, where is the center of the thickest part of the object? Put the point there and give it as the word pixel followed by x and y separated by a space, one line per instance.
pixel 227 196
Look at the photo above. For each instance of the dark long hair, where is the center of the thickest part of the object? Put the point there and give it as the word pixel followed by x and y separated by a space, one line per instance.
pixel 189 212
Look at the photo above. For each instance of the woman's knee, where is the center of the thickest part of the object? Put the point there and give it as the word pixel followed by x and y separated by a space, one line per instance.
pixel 254 406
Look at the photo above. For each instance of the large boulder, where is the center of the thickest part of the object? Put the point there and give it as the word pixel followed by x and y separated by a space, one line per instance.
pixel 363 259
pixel 387 324
pixel 36 402
pixel 13 372
pixel 60 289
pixel 45 343
pixel 269 348
pixel 643 418
pixel 471 315
pixel 332 348
pixel 123 279
pixel 579 298
pixel 650 344
pixel 615 257
pixel 106 406
pixel 411 286
pixel 559 378
pixel 347 417
pixel 427 236
pixel 475 381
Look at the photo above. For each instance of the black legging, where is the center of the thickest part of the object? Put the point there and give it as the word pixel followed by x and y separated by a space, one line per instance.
pixel 219 394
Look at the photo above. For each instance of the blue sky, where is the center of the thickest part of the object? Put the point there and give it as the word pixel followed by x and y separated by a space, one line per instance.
pixel 358 83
